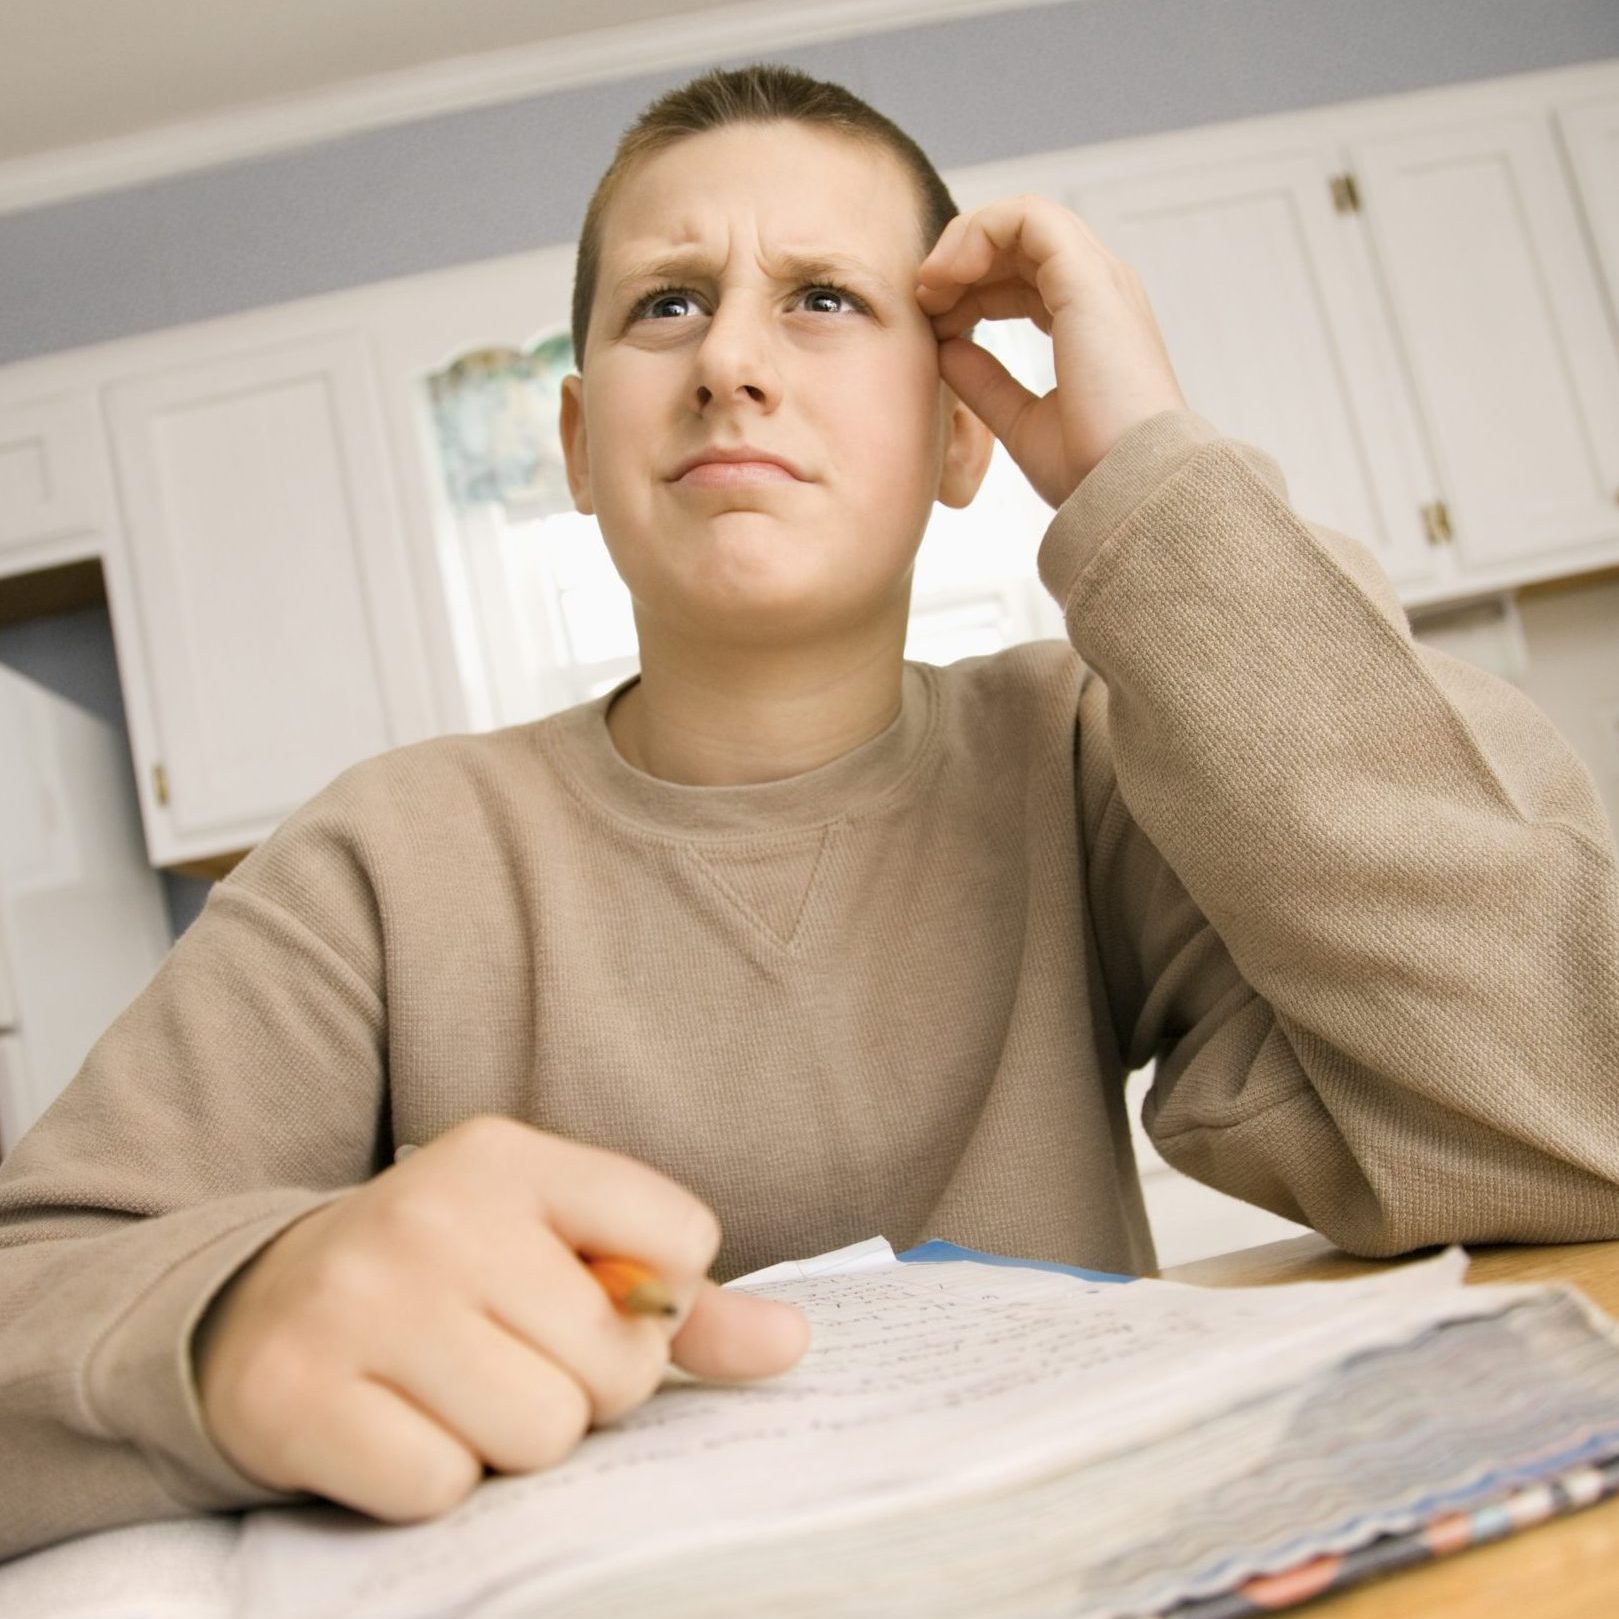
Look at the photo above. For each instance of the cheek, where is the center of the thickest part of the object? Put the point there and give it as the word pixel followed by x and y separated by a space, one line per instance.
pixel 899 400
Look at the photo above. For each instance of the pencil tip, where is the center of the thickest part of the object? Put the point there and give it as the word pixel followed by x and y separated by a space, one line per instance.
pixel 651 1298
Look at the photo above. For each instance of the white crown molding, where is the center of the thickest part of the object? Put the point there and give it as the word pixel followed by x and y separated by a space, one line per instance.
pixel 750 29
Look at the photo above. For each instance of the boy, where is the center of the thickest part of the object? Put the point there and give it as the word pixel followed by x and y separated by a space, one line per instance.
pixel 787 940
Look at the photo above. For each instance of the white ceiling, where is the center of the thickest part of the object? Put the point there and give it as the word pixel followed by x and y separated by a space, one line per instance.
pixel 78 71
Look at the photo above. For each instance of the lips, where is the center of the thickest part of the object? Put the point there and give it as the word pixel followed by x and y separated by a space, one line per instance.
pixel 734 475
pixel 733 453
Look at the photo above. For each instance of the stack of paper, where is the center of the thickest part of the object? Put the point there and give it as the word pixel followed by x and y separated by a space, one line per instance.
pixel 969 1438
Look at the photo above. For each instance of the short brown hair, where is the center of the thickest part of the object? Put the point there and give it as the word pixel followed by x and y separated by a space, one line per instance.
pixel 762 92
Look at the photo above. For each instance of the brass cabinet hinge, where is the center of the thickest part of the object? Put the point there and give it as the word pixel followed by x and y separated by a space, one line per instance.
pixel 1345 194
pixel 160 783
pixel 1436 523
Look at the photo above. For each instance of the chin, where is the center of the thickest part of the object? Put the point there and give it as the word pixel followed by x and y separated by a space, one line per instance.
pixel 771 612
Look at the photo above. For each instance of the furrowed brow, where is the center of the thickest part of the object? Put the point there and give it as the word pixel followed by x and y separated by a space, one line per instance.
pixel 791 267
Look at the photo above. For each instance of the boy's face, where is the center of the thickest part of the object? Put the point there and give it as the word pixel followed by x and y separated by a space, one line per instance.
pixel 848 391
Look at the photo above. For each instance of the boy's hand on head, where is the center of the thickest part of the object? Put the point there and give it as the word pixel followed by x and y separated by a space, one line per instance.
pixel 1028 256
pixel 385 1349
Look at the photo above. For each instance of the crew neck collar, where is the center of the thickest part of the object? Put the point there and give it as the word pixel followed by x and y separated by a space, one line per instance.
pixel 854 781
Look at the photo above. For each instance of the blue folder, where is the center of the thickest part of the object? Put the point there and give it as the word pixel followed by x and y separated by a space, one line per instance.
pixel 935 1249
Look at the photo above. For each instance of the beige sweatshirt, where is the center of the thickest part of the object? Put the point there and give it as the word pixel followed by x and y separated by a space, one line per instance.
pixel 1357 898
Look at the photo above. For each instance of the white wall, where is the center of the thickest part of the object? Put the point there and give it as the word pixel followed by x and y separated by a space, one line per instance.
pixel 1559 642
pixel 1572 631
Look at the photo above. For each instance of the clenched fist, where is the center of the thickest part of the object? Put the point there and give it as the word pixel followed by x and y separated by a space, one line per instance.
pixel 385 1349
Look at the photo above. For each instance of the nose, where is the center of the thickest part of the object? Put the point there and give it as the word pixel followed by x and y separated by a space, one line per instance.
pixel 737 353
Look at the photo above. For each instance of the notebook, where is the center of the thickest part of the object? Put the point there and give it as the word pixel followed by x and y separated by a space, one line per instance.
pixel 971 1435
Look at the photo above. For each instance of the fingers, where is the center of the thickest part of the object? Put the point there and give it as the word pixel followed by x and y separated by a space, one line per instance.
pixel 599 1202
pixel 370 1448
pixel 1028 238
pixel 536 1288
pixel 382 1349
pixel 504 1401
pixel 991 300
pixel 732 1335
pixel 988 389
pixel 527 1274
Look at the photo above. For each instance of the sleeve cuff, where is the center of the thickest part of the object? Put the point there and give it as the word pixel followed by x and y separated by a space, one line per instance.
pixel 139 1383
pixel 1141 462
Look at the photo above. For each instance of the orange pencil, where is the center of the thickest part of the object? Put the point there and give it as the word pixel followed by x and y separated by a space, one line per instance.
pixel 632 1287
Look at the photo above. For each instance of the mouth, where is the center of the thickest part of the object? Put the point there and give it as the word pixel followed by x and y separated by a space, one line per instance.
pixel 732 474
pixel 734 455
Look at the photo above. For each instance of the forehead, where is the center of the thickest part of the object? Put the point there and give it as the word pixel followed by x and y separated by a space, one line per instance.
pixel 802 200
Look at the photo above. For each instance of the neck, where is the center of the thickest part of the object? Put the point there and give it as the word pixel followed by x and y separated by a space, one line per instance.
pixel 724 722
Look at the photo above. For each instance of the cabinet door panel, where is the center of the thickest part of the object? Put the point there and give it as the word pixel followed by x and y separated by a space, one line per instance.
pixel 51 479
pixel 1591 138
pixel 1512 355
pixel 1271 317
pixel 256 493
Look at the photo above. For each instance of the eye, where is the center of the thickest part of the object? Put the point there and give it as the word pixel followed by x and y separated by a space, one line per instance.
pixel 658 294
pixel 837 292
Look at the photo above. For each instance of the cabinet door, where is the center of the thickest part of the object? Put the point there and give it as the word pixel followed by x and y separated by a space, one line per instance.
pixel 1591 138
pixel 52 480
pixel 1270 312
pixel 82 920
pixel 1512 355
pixel 269 628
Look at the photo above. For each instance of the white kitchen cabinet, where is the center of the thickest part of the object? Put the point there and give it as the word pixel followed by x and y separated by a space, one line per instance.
pixel 1589 126
pixel 1510 348
pixel 1413 304
pixel 83 925
pixel 53 482
pixel 1269 308
pixel 261 600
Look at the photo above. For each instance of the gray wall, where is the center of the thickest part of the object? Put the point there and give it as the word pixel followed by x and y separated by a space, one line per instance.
pixel 506 179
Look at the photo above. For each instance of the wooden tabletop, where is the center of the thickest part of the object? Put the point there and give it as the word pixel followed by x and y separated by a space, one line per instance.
pixel 1565 1569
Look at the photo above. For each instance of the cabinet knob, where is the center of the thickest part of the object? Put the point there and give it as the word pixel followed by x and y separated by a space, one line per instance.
pixel 160 783
pixel 1436 523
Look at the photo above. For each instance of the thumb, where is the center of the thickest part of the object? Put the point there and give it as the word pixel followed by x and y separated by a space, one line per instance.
pixel 738 1335
pixel 984 385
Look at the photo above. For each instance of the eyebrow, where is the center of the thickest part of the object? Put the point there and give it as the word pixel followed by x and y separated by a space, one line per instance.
pixel 788 267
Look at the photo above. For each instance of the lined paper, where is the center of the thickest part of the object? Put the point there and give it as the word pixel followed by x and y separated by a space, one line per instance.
pixel 921 1383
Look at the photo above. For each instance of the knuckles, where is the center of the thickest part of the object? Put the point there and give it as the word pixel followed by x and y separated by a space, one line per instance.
pixel 344 1282
pixel 436 1487
pixel 264 1402
pixel 701 1236
pixel 486 1147
pixel 566 1418
pixel 547 1431
pixel 486 1133
pixel 418 1220
pixel 636 1382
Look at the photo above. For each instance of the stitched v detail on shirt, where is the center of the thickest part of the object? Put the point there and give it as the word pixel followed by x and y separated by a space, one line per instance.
pixel 771 880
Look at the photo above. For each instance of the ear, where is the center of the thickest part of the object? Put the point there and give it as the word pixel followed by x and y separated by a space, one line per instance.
pixel 968 449
pixel 575 454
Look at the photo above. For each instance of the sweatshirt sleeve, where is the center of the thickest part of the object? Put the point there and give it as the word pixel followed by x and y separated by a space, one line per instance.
pixel 239 1091
pixel 1358 899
